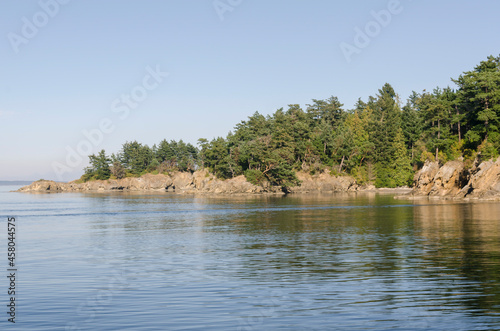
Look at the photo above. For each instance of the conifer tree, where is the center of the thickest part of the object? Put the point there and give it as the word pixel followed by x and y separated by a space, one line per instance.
pixel 402 166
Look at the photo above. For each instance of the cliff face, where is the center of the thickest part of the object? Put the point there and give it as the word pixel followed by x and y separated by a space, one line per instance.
pixel 454 181
pixel 198 182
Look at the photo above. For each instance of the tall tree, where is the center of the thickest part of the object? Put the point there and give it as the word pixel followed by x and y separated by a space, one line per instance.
pixel 438 113
pixel 402 166
pixel 99 166
pixel 385 122
pixel 411 123
pixel 136 157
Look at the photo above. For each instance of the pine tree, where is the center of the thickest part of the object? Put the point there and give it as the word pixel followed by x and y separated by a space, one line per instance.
pixel 402 166
pixel 479 93
pixel 385 122
pixel 99 167
pixel 411 123
pixel 136 157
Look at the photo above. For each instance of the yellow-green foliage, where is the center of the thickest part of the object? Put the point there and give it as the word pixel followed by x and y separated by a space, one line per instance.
pixel 424 154
pixel 360 174
pixel 129 174
pixel 487 151
pixel 456 149
pixel 442 157
pixel 334 172
pixel 255 177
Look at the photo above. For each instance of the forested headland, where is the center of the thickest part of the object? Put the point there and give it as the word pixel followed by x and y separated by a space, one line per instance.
pixel 382 141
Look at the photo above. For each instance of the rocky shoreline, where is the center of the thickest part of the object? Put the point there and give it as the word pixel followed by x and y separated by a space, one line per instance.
pixel 451 181
pixel 198 182
pixel 455 181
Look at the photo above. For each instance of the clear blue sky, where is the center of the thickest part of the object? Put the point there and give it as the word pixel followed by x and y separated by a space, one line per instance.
pixel 264 54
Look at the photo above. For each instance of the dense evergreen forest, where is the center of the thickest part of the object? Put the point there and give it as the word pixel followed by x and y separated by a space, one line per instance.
pixel 381 141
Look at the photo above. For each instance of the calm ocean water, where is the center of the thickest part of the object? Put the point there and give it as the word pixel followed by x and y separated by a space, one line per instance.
pixel 130 261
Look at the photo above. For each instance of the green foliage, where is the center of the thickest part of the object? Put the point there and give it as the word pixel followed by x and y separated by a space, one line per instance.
pixel 456 149
pixel 99 167
pixel 153 166
pixel 479 96
pixel 176 156
pixel 254 176
pixel 360 173
pixel 384 176
pixel 487 151
pixel 216 157
pixel 403 172
pixel 412 125
pixel 136 157
pixel 283 175
pixel 385 121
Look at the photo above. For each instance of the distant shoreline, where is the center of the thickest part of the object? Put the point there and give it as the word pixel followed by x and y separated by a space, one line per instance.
pixel 15 182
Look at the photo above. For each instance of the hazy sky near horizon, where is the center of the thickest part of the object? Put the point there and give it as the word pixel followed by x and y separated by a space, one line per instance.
pixel 71 66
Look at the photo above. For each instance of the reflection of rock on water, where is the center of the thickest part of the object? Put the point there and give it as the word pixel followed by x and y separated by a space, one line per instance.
pixel 445 220
pixel 460 247
pixel 460 237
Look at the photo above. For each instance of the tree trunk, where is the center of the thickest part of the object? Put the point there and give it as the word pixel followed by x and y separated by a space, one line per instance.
pixel 341 163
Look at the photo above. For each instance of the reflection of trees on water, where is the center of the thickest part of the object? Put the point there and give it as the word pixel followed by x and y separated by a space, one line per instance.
pixel 464 240
pixel 447 254
pixel 365 247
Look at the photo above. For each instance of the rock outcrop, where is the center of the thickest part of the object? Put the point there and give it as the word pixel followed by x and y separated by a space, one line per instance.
pixel 484 181
pixel 439 181
pixel 198 182
pixel 324 182
pixel 453 180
